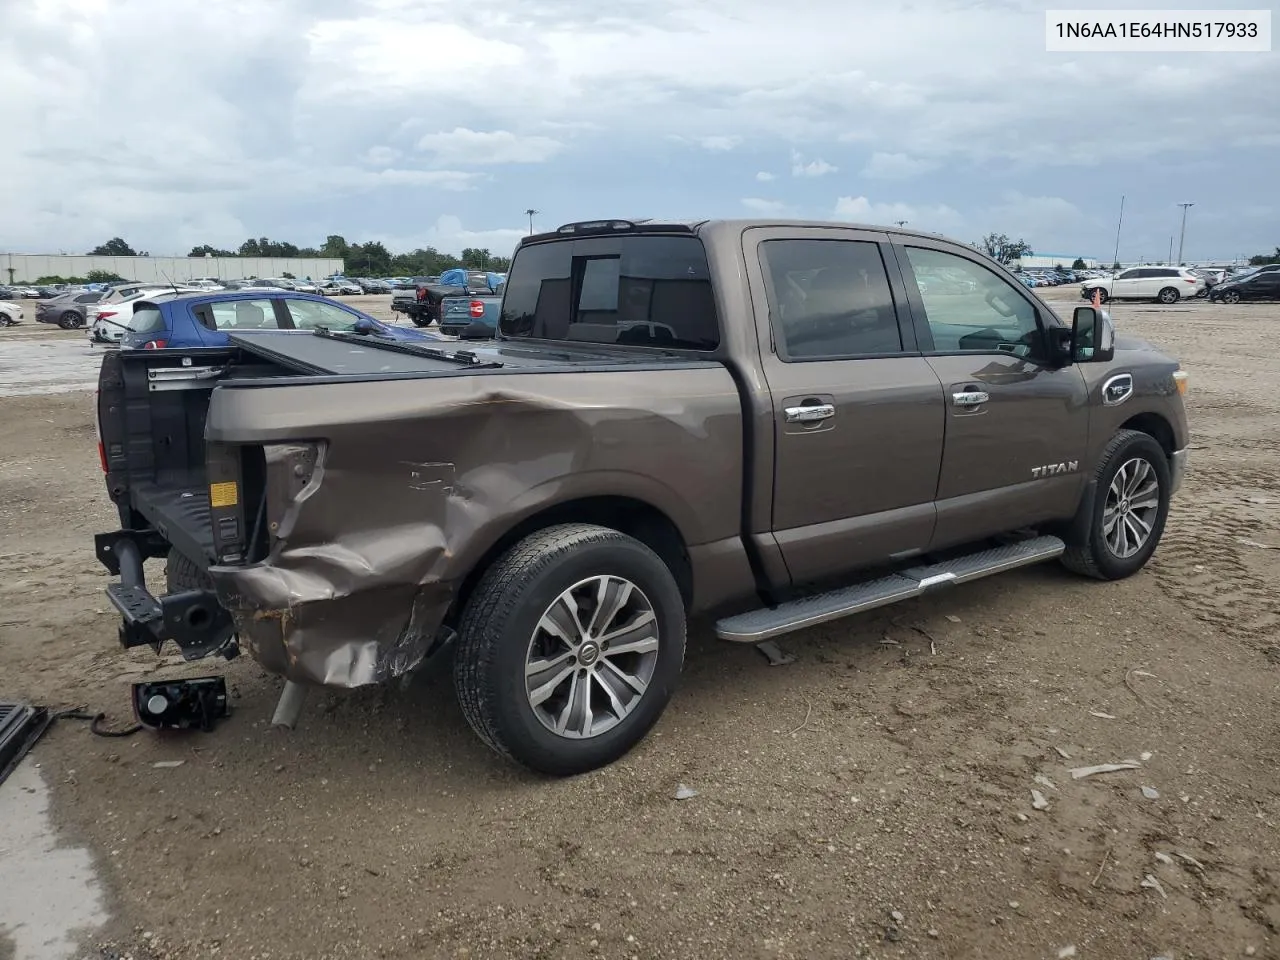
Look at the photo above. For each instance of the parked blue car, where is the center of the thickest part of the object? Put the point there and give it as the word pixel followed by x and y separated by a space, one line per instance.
pixel 205 319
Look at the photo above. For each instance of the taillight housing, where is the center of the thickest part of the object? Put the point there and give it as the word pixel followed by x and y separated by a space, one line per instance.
pixel 421 294
pixel 155 344
pixel 477 309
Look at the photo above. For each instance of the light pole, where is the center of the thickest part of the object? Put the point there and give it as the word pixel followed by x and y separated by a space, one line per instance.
pixel 531 212
pixel 1183 234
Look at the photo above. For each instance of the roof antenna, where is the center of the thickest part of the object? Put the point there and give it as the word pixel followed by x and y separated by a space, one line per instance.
pixel 170 279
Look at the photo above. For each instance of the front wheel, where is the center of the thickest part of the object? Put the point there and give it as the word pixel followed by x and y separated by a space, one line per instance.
pixel 1231 296
pixel 1168 295
pixel 570 648
pixel 1130 506
pixel 1103 296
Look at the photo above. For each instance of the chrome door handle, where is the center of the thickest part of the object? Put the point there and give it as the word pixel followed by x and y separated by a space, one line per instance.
pixel 970 398
pixel 811 414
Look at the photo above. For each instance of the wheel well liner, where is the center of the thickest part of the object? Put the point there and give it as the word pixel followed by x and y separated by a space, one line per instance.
pixel 633 517
pixel 1154 426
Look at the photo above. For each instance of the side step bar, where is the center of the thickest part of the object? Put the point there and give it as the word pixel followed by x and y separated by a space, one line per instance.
pixel 756 626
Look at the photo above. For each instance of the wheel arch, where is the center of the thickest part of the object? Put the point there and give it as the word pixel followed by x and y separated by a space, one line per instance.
pixel 625 514
pixel 1156 427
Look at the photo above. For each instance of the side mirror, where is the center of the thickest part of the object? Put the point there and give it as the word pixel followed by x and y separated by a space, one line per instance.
pixel 363 326
pixel 1093 336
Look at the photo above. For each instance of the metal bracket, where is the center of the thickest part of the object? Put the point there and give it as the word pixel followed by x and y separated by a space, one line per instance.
pixel 774 654
pixel 149 543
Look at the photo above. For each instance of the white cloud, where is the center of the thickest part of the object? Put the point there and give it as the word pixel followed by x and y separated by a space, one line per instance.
pixel 448 235
pixel 764 176
pixel 381 156
pixel 895 166
pixel 814 168
pixel 305 117
pixel 935 219
pixel 760 205
pixel 464 147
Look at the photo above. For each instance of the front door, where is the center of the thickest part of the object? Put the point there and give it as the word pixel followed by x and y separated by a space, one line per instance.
pixel 858 413
pixel 1017 423
pixel 1127 284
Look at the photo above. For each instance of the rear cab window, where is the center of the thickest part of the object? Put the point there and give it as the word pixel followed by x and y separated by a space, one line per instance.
pixel 637 290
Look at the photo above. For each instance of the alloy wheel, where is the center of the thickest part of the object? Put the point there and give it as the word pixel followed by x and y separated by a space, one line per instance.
pixel 591 657
pixel 1133 503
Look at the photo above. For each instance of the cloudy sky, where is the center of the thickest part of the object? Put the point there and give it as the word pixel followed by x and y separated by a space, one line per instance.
pixel 416 122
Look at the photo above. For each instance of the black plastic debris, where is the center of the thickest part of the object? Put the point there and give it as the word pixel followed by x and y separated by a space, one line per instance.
pixel 20 727
pixel 194 704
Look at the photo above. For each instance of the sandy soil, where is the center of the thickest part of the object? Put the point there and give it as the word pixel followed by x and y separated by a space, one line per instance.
pixel 874 798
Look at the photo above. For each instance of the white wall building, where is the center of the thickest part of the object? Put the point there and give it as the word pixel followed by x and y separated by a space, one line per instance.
pixel 27 268
pixel 1047 261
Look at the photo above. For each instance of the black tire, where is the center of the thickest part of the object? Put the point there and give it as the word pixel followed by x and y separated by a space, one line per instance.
pixel 499 623
pixel 70 320
pixel 1103 296
pixel 1168 295
pixel 181 574
pixel 1094 557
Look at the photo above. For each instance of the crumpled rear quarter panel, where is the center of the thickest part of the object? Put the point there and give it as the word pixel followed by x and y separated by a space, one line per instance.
pixel 418 478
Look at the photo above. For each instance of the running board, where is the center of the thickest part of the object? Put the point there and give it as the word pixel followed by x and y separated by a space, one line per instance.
pixel 769 622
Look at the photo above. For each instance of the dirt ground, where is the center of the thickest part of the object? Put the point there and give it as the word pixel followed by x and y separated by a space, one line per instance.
pixel 873 798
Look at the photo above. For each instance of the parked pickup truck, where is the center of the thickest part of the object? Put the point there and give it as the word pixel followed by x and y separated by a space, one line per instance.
pixel 474 317
pixel 423 303
pixel 763 421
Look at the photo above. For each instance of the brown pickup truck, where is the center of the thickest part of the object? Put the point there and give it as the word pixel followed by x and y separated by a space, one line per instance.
pixel 772 423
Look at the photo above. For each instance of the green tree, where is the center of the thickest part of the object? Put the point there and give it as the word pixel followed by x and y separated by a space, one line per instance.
pixel 115 247
pixel 1000 248
pixel 103 276
pixel 1263 259
pixel 264 247
pixel 371 259
pixel 205 250
pixel 1078 264
pixel 335 246
pixel 476 258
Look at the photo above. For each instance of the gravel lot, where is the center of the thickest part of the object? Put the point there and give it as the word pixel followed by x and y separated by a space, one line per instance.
pixel 874 798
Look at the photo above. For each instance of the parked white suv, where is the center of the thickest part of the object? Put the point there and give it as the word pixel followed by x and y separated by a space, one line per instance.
pixel 1165 284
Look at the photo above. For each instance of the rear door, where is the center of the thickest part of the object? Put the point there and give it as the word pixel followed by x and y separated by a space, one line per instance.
pixel 1127 284
pixel 858 412
pixel 215 319
pixel 1017 423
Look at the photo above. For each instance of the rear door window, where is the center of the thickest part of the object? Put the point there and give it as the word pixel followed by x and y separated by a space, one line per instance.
pixel 239 315
pixel 831 299
pixel 636 290
pixel 309 314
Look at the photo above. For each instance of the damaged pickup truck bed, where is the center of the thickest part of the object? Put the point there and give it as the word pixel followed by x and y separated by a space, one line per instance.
pixel 777 423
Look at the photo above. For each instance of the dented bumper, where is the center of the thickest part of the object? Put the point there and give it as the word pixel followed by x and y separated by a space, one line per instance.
pixel 286 622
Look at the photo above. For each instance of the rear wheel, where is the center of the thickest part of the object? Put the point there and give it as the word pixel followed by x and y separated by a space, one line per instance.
pixel 181 574
pixel 570 648
pixel 1129 509
pixel 70 320
pixel 1168 295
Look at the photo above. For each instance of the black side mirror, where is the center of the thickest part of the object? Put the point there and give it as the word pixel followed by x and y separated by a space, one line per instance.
pixel 1093 336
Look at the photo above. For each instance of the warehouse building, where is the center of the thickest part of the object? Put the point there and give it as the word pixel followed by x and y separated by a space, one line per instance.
pixel 1047 261
pixel 28 268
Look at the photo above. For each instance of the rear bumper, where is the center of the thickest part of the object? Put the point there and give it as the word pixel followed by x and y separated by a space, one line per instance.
pixel 1177 469
pixel 193 619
